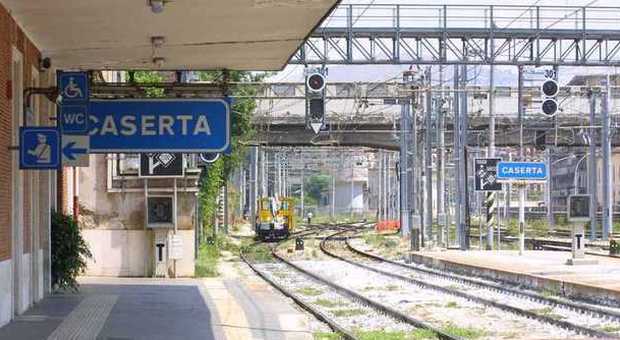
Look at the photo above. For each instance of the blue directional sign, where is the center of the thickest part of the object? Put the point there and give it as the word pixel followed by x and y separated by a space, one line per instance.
pixel 135 126
pixel 39 148
pixel 521 171
pixel 73 86
pixel 74 119
pixel 72 150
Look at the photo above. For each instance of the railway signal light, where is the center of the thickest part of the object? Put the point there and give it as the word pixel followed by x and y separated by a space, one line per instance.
pixel 315 100
pixel 549 107
pixel 315 82
pixel 549 89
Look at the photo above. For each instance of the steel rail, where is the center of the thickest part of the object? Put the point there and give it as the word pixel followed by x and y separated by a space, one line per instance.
pixel 519 311
pixel 335 326
pixel 572 305
pixel 366 301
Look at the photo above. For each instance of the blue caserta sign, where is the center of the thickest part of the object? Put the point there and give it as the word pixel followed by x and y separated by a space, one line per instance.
pixel 135 126
pixel 521 171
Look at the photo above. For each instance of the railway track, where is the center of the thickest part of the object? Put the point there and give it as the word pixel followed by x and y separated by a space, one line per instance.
pixel 482 292
pixel 379 310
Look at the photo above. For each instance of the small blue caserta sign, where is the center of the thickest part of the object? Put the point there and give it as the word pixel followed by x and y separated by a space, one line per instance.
pixel 521 171
pixel 153 125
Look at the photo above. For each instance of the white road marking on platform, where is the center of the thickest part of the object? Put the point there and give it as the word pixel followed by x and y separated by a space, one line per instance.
pixel 86 320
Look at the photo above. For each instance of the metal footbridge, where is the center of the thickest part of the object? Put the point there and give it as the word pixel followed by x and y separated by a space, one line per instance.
pixel 465 34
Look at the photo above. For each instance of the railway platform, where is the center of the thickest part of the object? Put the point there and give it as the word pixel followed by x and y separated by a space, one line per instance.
pixel 237 305
pixel 540 270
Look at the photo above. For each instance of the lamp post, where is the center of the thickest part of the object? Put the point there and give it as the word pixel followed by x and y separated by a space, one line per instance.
pixel 577 172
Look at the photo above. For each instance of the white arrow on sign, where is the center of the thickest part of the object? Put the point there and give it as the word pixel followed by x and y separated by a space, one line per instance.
pixel 75 150
pixel 316 127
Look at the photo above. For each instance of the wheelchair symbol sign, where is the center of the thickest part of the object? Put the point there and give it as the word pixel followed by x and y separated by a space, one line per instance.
pixel 73 86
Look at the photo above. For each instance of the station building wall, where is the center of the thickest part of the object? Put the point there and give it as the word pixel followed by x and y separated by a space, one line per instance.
pixel 26 197
pixel 112 218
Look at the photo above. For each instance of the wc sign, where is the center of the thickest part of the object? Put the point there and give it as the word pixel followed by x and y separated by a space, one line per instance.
pixel 74 119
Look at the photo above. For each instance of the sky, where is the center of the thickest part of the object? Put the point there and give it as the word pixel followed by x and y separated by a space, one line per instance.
pixel 505 75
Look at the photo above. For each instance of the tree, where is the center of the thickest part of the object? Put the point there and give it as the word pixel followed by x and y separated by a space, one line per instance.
pixel 317 185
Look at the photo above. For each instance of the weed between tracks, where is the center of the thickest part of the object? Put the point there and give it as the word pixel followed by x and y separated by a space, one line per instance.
pixel 418 334
pixel 380 241
pixel 610 328
pixel 258 253
pixel 348 312
pixel 548 312
pixel 309 291
pixel 388 245
pixel 327 336
pixel 464 332
pixel 328 303
pixel 452 304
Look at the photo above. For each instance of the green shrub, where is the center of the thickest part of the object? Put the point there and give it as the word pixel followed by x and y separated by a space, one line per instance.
pixel 69 251
pixel 206 263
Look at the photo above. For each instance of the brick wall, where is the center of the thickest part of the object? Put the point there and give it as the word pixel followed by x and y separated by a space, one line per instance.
pixel 11 35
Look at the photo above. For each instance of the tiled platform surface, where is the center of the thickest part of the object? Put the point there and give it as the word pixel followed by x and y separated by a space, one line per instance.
pixel 536 269
pixel 222 308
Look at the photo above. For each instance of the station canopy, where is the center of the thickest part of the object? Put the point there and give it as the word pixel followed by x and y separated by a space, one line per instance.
pixel 197 34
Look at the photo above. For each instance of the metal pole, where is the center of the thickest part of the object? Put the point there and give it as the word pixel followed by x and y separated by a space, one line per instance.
pixel 607 166
pixel 303 168
pixel 386 187
pixel 242 180
pixel 404 165
pixel 464 241
pixel 491 148
pixel 263 180
pixel 441 167
pixel 508 197
pixel 549 191
pixel 278 175
pixel 352 187
pixel 415 215
pixel 259 170
pixel 174 221
pixel 428 156
pixel 226 207
pixel 521 158
pixel 592 177
pixel 253 187
pixel 456 155
pixel 397 195
pixel 333 192
pixel 479 200
pixel 380 189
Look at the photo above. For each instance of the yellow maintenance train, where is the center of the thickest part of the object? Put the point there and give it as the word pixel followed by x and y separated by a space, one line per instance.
pixel 274 218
